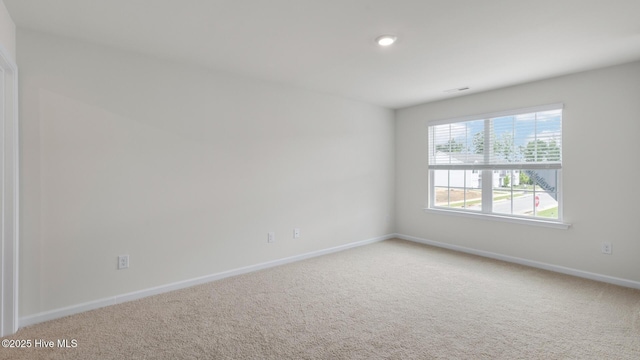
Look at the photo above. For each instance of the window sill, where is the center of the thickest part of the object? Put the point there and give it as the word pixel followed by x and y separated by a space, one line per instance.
pixel 508 219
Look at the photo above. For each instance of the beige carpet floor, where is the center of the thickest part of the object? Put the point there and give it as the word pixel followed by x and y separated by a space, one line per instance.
pixel 388 300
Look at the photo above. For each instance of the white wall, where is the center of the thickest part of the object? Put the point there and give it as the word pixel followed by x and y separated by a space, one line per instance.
pixel 7 32
pixel 600 186
pixel 184 169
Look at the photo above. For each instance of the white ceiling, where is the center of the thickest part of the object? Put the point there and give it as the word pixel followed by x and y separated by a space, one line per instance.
pixel 327 45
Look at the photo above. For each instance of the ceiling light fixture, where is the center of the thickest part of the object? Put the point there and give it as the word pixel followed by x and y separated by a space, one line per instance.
pixel 386 40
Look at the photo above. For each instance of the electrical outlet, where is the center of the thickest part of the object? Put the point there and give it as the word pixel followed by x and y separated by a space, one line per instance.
pixel 606 248
pixel 271 237
pixel 296 233
pixel 123 262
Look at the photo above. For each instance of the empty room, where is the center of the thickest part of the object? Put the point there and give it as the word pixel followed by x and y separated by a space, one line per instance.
pixel 307 179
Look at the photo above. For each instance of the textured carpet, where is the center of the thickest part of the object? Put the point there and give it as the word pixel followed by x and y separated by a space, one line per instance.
pixel 389 300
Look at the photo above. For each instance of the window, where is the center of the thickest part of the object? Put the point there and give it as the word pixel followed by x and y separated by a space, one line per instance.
pixel 506 164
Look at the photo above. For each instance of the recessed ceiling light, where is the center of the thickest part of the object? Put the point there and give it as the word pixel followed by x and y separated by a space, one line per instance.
pixel 386 40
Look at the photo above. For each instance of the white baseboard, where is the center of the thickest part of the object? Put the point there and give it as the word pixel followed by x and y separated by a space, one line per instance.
pixel 531 263
pixel 119 299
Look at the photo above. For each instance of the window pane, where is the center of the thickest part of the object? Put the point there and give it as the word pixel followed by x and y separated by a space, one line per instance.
pixel 544 180
pixel 441 178
pixel 530 137
pixel 549 132
pixel 457 178
pixel 473 199
pixel 458 189
pixel 442 196
pixel 503 148
pixel 518 202
pixel 528 193
pixel 457 143
pixel 547 206
pixel 505 183
pixel 545 189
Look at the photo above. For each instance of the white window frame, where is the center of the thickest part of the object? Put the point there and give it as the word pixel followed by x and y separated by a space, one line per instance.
pixel 487 177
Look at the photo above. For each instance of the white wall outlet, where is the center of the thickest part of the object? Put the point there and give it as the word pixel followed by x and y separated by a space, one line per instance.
pixel 296 233
pixel 123 262
pixel 606 248
pixel 271 237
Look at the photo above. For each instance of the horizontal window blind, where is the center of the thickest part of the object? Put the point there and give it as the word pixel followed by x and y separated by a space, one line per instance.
pixel 520 139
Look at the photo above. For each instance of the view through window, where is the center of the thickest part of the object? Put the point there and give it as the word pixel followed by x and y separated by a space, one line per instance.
pixel 506 163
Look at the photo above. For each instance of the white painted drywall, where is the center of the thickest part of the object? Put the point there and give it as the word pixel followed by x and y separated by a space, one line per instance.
pixel 184 169
pixel 7 32
pixel 602 107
